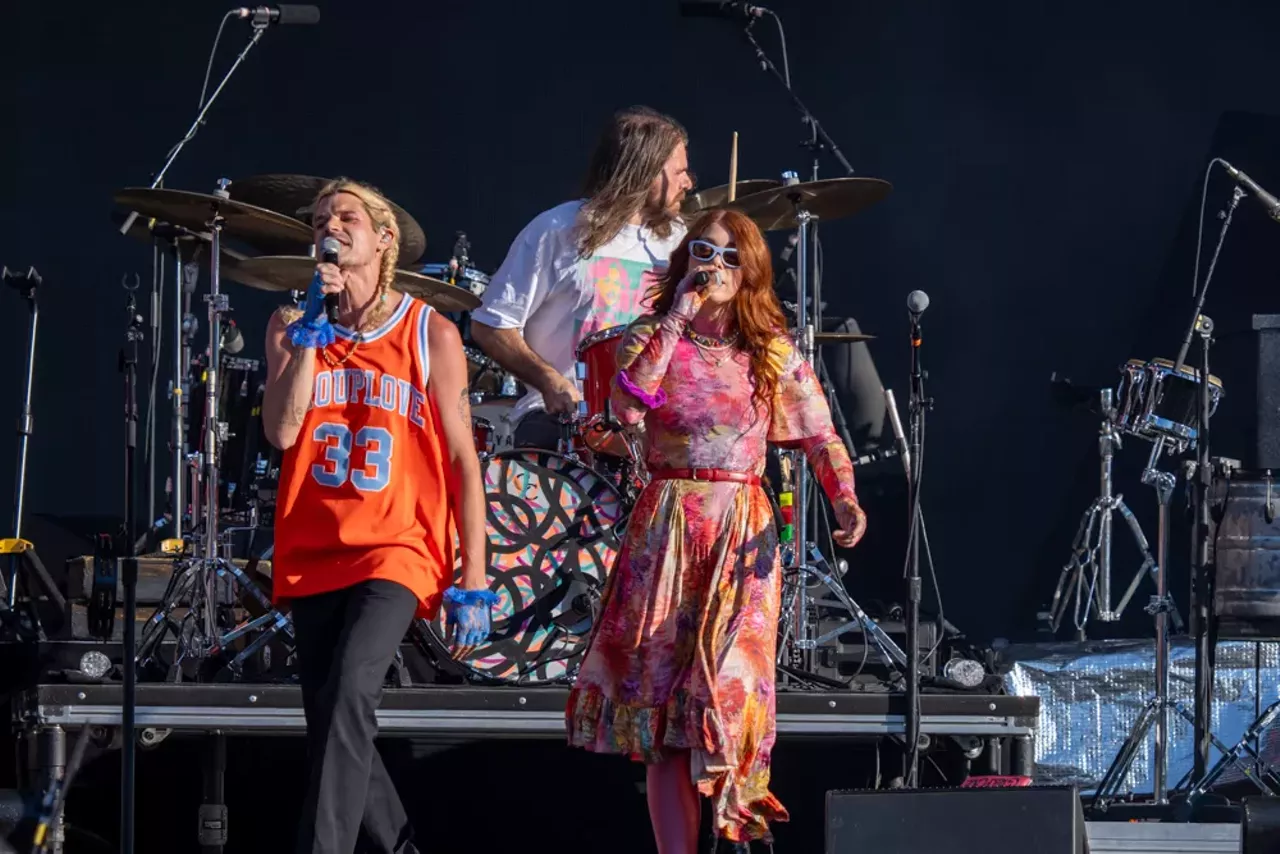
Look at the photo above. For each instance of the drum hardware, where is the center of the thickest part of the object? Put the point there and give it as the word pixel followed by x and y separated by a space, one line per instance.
pixel 207 580
pixel 1156 711
pixel 466 278
pixel 295 196
pixel 1202 581
pixel 19 614
pixel 293 272
pixel 1088 573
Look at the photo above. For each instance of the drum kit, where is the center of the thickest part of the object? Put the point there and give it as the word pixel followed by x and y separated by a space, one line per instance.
pixel 555 516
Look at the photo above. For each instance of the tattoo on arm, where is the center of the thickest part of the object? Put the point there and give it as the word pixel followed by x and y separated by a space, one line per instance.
pixel 464 408
pixel 296 416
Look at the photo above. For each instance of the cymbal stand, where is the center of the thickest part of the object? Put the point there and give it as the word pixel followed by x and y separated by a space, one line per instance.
pixel 207 579
pixel 1088 572
pixel 1156 711
pixel 19 615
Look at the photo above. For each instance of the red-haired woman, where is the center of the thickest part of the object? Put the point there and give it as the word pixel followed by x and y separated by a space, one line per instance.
pixel 680 671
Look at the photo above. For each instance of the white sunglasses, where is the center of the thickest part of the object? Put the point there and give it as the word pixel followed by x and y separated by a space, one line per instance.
pixel 704 251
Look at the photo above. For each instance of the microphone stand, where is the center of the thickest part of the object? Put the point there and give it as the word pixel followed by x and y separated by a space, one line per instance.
pixel 259 27
pixel 259 24
pixel 917 407
pixel 126 551
pixel 821 138
pixel 1203 572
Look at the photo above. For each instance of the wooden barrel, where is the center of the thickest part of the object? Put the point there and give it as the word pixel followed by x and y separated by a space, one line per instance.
pixel 1245 508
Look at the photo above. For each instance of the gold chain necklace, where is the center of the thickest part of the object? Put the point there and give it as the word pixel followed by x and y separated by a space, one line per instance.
pixel 372 320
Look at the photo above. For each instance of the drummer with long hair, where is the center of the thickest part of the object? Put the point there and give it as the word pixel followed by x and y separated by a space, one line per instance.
pixel 680 671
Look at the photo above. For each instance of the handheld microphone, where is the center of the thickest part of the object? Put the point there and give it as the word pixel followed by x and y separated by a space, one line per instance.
pixel 1270 202
pixel 701 278
pixel 285 13
pixel 720 9
pixel 329 246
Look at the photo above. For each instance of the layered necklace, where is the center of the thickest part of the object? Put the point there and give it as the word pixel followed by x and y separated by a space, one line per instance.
pixel 372 318
pixel 713 350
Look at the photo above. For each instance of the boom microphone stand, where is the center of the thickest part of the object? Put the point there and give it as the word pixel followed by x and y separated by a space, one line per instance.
pixel 1203 573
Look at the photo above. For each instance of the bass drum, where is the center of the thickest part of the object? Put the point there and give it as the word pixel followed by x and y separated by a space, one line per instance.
pixel 553 539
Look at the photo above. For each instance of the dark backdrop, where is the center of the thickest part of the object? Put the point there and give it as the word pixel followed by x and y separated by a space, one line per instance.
pixel 1046 160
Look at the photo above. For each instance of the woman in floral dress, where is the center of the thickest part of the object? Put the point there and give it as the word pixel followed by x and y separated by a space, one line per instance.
pixel 680 670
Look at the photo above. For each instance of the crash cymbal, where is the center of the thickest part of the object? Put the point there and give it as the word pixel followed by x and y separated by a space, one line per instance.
pixel 820 338
pixel 828 199
pixel 294 273
pixel 293 195
pixel 193 210
pixel 715 197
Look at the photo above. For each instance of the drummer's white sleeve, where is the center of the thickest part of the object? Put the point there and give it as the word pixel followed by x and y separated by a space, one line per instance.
pixel 530 272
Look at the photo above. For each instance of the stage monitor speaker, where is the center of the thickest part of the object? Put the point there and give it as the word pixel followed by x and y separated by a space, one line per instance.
pixel 1036 819
pixel 1268 418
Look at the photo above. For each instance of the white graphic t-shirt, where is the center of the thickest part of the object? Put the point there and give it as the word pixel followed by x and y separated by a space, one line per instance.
pixel 558 298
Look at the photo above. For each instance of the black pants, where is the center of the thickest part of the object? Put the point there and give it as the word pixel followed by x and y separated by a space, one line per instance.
pixel 347 640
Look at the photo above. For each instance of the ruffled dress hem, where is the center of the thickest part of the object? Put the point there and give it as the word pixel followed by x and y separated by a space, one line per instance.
pixel 742 808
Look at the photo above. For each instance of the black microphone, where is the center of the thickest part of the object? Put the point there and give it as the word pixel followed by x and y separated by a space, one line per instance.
pixel 330 246
pixel 283 14
pixel 1270 202
pixel 720 9
pixel 701 277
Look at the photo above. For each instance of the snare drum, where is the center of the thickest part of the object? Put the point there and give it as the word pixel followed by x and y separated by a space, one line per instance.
pixel 1152 401
pixel 597 366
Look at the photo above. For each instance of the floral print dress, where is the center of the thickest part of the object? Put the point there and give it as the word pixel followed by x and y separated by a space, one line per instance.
pixel 683 655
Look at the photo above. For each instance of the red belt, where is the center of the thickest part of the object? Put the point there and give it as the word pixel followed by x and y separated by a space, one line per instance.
pixel 706 474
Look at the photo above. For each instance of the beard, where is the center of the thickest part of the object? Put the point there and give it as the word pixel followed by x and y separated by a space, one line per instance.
pixel 659 218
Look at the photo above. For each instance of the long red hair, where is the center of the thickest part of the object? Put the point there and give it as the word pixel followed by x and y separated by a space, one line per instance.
pixel 756 308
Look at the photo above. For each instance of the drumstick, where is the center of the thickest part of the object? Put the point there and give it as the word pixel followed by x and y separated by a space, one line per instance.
pixel 733 168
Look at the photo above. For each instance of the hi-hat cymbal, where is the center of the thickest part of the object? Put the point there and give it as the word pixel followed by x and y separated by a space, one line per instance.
pixel 294 273
pixel 715 197
pixel 293 195
pixel 193 210
pixel 828 199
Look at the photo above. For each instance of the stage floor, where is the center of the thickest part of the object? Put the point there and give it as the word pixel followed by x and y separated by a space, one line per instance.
pixel 495 711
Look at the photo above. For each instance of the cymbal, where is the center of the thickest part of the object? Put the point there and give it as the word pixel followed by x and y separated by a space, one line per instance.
pixel 831 198
pixel 820 338
pixel 192 210
pixel 294 273
pixel 715 197
pixel 293 195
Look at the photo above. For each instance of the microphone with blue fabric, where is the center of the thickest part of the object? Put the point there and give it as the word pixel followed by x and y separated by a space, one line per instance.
pixel 329 247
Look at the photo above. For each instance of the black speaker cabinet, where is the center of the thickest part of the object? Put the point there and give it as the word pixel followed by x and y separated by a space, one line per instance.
pixel 1268 417
pixel 1036 820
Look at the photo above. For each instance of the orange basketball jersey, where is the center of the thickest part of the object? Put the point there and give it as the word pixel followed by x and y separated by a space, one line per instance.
pixel 363 490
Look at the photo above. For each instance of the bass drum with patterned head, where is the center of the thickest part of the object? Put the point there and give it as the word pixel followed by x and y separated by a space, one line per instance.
pixel 553 538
